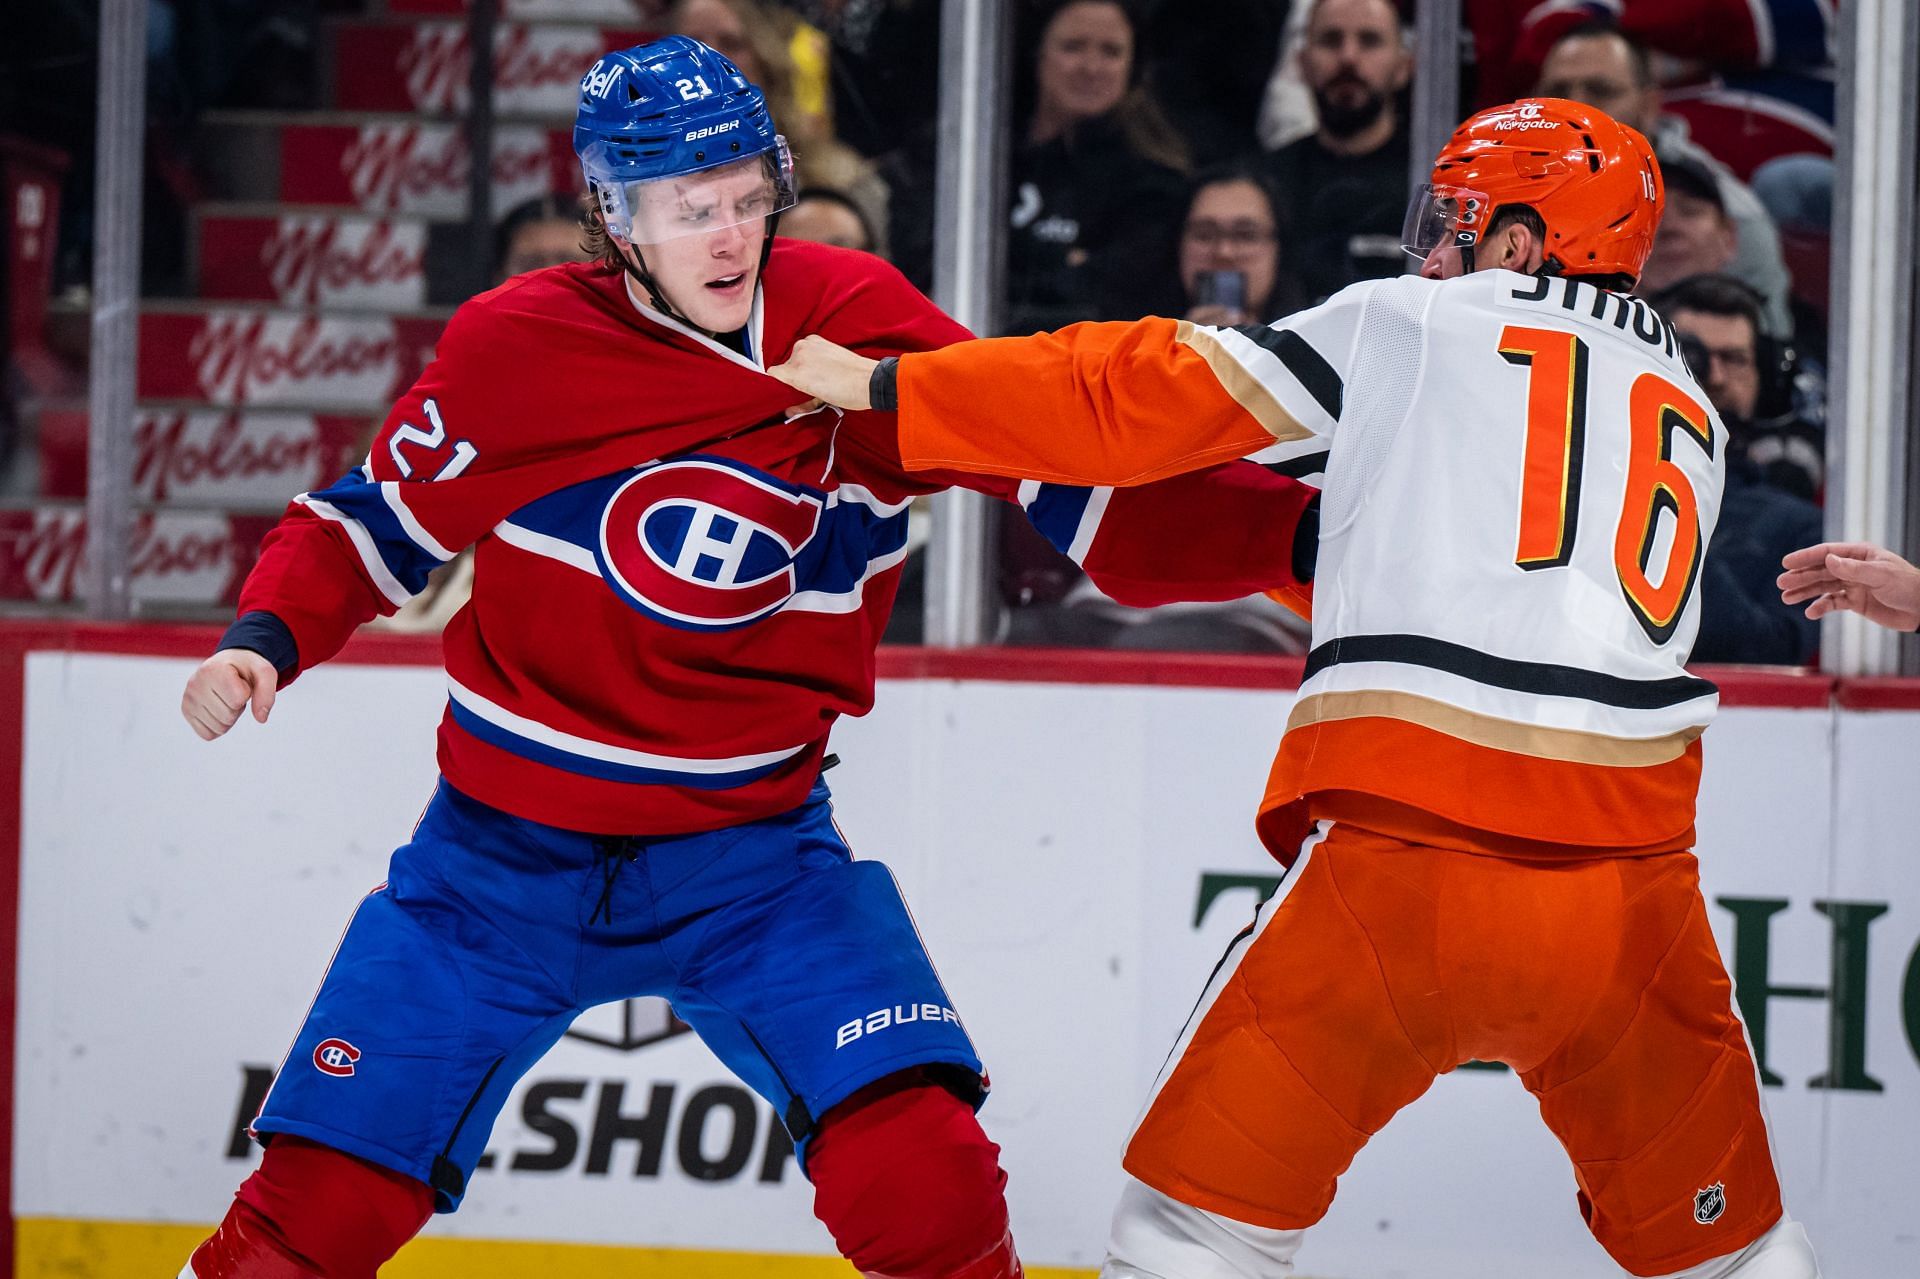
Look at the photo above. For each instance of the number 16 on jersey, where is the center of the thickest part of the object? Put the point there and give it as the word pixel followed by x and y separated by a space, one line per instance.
pixel 1658 492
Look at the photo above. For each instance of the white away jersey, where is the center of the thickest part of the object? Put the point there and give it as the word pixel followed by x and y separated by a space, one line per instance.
pixel 1521 480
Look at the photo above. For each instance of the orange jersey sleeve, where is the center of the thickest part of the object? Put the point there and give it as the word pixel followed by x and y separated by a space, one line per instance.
pixel 1118 404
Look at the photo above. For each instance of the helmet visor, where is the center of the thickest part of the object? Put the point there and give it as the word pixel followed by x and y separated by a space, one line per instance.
pixel 1443 216
pixel 748 190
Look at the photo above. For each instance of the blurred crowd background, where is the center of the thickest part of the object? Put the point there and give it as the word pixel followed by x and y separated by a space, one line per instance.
pixel 1228 162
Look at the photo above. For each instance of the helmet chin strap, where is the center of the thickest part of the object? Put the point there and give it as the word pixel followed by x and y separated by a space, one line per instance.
pixel 658 295
pixel 655 293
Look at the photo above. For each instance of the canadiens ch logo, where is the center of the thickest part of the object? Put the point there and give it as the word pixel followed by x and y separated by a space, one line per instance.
pixel 335 1057
pixel 1708 1204
pixel 705 542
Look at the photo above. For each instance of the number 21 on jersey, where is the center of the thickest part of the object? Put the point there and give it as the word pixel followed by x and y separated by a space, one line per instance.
pixel 1658 415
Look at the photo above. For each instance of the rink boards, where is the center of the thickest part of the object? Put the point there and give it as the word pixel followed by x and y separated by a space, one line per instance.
pixel 1074 834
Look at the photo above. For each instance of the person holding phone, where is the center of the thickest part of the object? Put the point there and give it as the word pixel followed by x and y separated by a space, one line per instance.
pixel 1226 268
pixel 1230 260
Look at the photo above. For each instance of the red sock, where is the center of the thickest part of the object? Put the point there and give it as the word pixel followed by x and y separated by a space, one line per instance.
pixel 311 1212
pixel 910 1187
pixel 244 1246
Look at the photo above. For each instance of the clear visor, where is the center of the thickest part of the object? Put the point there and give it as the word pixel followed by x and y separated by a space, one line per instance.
pixel 749 190
pixel 1442 216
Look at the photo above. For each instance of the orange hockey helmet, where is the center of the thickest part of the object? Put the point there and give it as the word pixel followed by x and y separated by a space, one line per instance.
pixel 1592 180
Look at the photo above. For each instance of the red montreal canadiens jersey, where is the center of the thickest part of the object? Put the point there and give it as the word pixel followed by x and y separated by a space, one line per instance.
pixel 678 584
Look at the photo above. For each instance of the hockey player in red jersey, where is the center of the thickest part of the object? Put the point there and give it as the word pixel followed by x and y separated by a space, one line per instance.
pixel 680 580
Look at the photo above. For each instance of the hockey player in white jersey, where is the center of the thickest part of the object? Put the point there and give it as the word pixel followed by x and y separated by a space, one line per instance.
pixel 1486 788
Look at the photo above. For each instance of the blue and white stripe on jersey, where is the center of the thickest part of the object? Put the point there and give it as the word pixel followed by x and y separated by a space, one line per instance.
pixel 396 551
pixel 867 536
pixel 530 739
pixel 1065 514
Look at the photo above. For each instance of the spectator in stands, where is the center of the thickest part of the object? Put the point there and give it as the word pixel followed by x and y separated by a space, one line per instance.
pixel 1754 79
pixel 1226 270
pixel 541 232
pixel 1345 187
pixel 1513 37
pixel 762 42
pixel 1742 619
pixel 1853 577
pixel 1696 237
pixel 1797 191
pixel 1098 175
pixel 1231 261
pixel 1749 377
pixel 826 216
pixel 1594 63
pixel 1741 616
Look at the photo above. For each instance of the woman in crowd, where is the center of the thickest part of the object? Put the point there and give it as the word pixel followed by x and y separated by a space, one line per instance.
pixel 1228 268
pixel 1097 176
pixel 1229 263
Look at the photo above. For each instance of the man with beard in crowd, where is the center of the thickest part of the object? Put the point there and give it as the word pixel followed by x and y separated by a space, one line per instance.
pixel 1345 186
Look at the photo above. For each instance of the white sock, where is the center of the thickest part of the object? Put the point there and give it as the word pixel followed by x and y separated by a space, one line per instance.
pixel 1782 1253
pixel 1158 1237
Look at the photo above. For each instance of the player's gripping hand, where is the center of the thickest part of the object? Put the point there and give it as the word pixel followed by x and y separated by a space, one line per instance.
pixel 828 371
pixel 223 686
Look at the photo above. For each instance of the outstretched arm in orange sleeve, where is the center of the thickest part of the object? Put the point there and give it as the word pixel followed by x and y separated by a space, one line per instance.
pixel 1110 404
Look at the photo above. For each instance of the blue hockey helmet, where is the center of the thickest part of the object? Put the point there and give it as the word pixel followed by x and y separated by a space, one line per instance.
pixel 666 110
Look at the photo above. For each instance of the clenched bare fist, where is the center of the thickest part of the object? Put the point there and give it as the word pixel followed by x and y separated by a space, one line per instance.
pixel 222 688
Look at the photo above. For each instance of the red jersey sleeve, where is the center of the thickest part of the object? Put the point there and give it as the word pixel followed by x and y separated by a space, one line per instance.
pixel 364 546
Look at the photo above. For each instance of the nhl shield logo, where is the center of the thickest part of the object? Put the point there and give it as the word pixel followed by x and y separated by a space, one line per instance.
pixel 1708 1204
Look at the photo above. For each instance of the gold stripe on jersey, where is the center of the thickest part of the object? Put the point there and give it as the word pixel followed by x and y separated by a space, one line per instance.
pixel 1567 745
pixel 1247 390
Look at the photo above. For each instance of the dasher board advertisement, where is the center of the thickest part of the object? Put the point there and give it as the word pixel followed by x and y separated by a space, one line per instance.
pixel 1076 855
